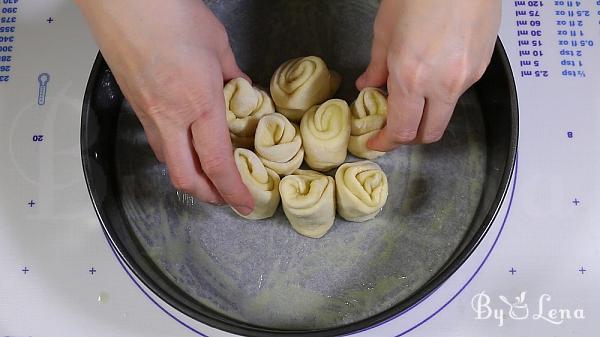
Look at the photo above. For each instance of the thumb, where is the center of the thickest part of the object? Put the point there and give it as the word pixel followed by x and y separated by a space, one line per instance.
pixel 230 67
pixel 377 73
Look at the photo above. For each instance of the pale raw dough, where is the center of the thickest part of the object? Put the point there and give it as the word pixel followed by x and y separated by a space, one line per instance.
pixel 308 200
pixel 278 144
pixel 369 115
pixel 262 182
pixel 361 190
pixel 244 106
pixel 325 133
pixel 300 83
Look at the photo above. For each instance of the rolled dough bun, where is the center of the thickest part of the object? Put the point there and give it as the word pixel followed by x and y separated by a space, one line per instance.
pixel 278 144
pixel 262 182
pixel 369 115
pixel 244 106
pixel 300 83
pixel 325 133
pixel 308 200
pixel 361 190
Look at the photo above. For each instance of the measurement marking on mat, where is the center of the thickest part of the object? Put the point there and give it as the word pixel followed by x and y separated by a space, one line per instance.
pixel 43 80
pixel 25 270
pixel 50 20
pixel 92 270
pixel 512 270
pixel 576 202
pixel 31 203
pixel 582 270
pixel 570 134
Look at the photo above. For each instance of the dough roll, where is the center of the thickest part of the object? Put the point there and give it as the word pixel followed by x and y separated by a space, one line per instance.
pixel 308 200
pixel 278 144
pixel 244 106
pixel 361 190
pixel 369 115
pixel 325 133
pixel 262 182
pixel 300 83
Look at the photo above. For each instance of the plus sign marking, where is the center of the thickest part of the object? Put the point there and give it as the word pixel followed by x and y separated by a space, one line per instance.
pixel 25 270
pixel 31 203
pixel 50 20
pixel 92 270
pixel 582 270
pixel 512 270
pixel 576 202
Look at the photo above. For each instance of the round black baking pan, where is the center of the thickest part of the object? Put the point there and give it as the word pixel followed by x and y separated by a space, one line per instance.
pixel 260 278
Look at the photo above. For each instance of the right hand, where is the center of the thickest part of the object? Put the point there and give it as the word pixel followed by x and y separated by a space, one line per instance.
pixel 171 59
pixel 427 53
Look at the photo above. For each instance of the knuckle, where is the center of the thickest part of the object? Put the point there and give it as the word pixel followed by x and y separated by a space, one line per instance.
pixel 404 136
pixel 169 99
pixel 182 183
pixel 182 113
pixel 209 197
pixel 231 196
pixel 479 72
pixel 457 80
pixel 461 76
pixel 213 166
pixel 380 31
pixel 411 74
pixel 433 136
pixel 200 105
pixel 448 100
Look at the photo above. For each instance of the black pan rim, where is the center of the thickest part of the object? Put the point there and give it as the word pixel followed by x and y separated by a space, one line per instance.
pixel 246 329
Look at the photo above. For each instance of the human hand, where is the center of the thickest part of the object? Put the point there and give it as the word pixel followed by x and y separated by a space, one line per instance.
pixel 429 52
pixel 171 60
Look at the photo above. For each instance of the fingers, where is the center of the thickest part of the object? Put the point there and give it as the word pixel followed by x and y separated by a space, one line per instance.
pixel 216 157
pixel 377 73
pixel 404 117
pixel 184 169
pixel 213 145
pixel 410 123
pixel 436 116
pixel 230 67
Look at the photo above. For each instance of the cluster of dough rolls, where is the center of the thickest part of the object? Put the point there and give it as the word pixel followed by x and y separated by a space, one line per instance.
pixel 302 91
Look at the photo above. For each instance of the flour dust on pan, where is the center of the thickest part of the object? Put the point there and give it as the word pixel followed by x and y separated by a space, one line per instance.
pixel 261 277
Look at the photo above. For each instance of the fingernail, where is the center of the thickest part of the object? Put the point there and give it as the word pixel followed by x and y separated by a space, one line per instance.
pixel 244 210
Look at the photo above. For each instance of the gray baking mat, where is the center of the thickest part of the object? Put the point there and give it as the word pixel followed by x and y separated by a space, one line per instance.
pixel 264 273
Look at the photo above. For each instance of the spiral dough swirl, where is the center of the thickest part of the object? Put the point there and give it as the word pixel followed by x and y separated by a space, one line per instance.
pixel 361 190
pixel 300 83
pixel 369 115
pixel 278 144
pixel 325 132
pixel 308 200
pixel 244 106
pixel 262 182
